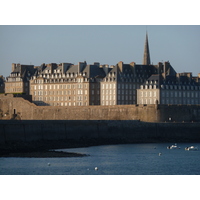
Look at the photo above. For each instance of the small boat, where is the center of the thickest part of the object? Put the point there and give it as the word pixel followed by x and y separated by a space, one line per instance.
pixel 173 147
pixel 192 148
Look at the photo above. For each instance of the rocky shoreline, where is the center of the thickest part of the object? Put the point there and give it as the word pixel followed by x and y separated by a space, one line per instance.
pixel 43 149
pixel 42 154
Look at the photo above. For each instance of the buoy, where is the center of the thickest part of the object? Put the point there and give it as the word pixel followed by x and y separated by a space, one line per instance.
pixel 96 168
pixel 49 164
pixel 160 154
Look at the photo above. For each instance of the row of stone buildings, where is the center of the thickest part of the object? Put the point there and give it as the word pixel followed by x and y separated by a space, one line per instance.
pixel 66 84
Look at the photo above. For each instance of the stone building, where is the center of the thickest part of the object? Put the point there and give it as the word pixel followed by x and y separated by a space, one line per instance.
pixel 120 85
pixel 66 84
pixel 169 87
pixel 18 80
pixel 2 84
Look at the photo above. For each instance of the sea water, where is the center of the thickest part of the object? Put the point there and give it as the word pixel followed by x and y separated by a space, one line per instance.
pixel 125 159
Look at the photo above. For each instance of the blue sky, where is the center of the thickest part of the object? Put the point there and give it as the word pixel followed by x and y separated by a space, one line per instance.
pixel 107 44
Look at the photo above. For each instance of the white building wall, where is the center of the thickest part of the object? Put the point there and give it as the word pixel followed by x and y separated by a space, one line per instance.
pixel 148 96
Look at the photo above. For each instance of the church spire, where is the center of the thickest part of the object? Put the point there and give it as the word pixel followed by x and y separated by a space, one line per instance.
pixel 146 58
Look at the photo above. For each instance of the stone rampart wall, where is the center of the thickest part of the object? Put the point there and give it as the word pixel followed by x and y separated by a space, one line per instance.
pixel 19 108
pixel 13 132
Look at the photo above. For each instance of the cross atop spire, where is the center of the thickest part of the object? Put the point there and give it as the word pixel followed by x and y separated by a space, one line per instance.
pixel 146 58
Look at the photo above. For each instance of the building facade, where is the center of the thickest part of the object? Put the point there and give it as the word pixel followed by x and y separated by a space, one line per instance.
pixel 18 80
pixel 119 87
pixel 66 84
pixel 170 87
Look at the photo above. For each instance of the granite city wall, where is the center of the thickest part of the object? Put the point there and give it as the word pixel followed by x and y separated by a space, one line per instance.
pixel 19 108
pixel 128 131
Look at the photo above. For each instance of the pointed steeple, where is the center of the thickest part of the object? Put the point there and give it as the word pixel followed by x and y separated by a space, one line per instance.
pixel 146 58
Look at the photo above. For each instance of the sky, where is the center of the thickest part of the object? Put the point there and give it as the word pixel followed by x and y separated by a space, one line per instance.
pixel 106 44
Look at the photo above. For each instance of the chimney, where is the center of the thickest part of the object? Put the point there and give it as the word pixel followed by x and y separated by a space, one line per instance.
pixel 105 68
pixel 81 66
pixel 120 65
pixel 97 63
pixel 13 66
pixel 160 68
pixel 165 69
